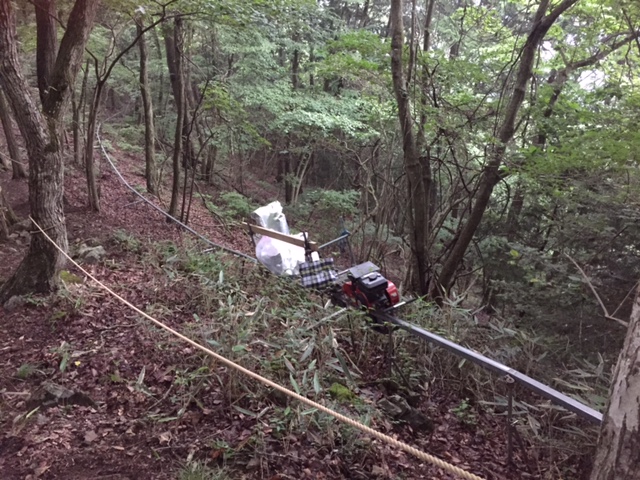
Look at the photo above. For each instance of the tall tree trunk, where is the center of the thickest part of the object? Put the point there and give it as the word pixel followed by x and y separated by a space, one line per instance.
pixel 38 270
pixel 12 145
pixel 491 173
pixel 174 60
pixel 102 76
pixel 151 172
pixel 7 217
pixel 89 160
pixel 618 451
pixel 419 181
pixel 160 104
pixel 515 209
pixel 77 124
pixel 364 18
pixel 46 42
pixel 295 70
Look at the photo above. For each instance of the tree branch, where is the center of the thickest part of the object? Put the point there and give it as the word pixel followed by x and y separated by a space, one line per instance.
pixel 595 294
pixel 548 20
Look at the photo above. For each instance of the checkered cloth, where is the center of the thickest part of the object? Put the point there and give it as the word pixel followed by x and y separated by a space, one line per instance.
pixel 318 273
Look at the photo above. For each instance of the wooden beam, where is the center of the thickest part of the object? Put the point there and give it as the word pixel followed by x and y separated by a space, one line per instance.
pixel 298 242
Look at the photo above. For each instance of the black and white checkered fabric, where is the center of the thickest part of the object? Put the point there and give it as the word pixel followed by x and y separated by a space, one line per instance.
pixel 318 273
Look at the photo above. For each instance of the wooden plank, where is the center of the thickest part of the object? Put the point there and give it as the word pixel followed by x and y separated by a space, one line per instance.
pixel 298 242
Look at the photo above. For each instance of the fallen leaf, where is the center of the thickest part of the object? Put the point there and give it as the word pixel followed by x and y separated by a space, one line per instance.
pixel 216 453
pixel 38 472
pixel 90 436
pixel 377 471
pixel 165 438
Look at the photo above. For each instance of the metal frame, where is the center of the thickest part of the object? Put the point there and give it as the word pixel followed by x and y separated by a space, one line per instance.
pixel 583 411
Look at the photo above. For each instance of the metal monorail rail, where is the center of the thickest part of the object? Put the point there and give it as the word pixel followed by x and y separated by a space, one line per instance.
pixel 555 396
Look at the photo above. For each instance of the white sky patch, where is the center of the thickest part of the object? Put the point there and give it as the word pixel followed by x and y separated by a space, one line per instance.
pixel 592 79
pixel 547 52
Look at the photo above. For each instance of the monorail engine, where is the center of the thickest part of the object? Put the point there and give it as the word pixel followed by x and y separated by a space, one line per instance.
pixel 366 287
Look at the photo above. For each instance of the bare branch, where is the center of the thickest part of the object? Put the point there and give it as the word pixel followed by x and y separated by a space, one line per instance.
pixel 595 294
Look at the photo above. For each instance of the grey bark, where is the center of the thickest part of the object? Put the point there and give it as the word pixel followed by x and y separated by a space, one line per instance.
pixel 151 172
pixel 38 270
pixel 46 42
pixel 174 59
pixel 418 178
pixel 618 451
pixel 13 160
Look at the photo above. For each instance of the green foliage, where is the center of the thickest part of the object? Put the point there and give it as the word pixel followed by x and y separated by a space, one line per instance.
pixel 127 241
pixel 25 371
pixel 358 57
pixel 200 471
pixel 231 206
pixel 464 412
pixel 341 393
pixel 70 278
pixel 237 206
pixel 330 204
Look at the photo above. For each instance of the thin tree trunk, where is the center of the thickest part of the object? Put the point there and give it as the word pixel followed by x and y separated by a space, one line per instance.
pixel 38 270
pixel 421 141
pixel 12 145
pixel 161 106
pixel 89 159
pixel 7 217
pixel 102 76
pixel 46 42
pixel 618 451
pixel 78 107
pixel 295 70
pixel 151 171
pixel 419 181
pixel 515 209
pixel 177 81
pixel 491 173
pixel 365 14
pixel 209 164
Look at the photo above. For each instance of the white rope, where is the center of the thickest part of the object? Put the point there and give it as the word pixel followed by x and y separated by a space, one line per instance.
pixel 349 421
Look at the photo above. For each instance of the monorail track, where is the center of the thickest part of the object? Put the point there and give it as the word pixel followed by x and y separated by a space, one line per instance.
pixel 384 317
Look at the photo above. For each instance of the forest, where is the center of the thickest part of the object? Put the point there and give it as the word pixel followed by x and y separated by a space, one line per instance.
pixel 483 153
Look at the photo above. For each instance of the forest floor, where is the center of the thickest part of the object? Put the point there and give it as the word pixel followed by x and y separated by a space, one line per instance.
pixel 141 410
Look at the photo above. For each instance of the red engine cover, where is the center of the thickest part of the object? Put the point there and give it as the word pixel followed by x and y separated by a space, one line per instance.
pixel 392 294
pixel 358 298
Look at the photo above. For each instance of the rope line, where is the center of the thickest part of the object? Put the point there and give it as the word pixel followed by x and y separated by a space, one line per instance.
pixel 338 416
pixel 189 229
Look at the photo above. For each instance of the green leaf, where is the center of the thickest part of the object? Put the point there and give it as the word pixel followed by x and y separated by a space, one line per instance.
pixel 295 385
pixel 288 364
pixel 140 380
pixel 307 352
pixel 246 412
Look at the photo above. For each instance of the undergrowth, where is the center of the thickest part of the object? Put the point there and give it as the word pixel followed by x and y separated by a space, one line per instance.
pixel 552 438
pixel 275 328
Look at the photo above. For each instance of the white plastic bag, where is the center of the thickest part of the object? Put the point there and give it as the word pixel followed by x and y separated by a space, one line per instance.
pixel 279 257
pixel 272 217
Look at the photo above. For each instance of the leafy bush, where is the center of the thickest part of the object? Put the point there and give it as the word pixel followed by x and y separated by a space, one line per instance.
pixel 237 205
pixel 334 203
